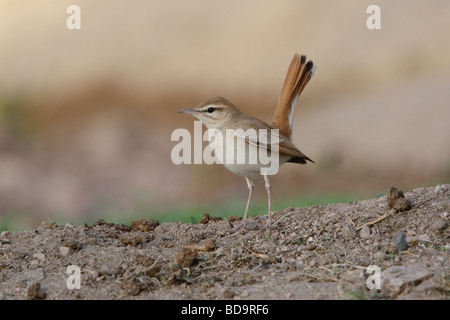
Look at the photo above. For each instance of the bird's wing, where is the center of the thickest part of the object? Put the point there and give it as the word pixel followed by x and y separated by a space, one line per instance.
pixel 250 131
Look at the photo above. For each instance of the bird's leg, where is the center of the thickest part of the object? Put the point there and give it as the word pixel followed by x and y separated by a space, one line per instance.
pixel 251 187
pixel 269 202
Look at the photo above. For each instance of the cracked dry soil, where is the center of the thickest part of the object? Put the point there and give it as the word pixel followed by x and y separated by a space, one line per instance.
pixel 319 252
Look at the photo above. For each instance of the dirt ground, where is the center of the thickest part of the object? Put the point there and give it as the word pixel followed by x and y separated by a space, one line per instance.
pixel 319 252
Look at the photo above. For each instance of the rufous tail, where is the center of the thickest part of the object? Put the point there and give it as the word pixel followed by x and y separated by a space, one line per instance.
pixel 298 75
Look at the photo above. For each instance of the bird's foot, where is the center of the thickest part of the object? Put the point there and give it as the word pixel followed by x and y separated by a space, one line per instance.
pixel 268 226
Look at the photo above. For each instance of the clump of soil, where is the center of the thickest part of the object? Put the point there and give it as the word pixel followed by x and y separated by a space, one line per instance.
pixel 397 201
pixel 319 252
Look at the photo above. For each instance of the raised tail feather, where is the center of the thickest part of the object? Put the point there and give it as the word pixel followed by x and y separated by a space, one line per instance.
pixel 298 75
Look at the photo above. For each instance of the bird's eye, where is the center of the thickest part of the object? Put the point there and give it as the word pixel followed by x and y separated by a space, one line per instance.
pixel 210 110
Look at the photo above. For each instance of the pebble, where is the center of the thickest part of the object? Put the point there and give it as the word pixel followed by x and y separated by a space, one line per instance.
pixel 395 278
pixel 39 255
pixel 287 295
pixel 38 239
pixel 438 190
pixel 159 230
pixel 400 242
pixel 244 294
pixel 365 232
pixel 439 225
pixel 69 226
pixel 228 294
pixel 348 232
pixel 2 296
pixel 66 251
pixel 397 201
pixel 423 237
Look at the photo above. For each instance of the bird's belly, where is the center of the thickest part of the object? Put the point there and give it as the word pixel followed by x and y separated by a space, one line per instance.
pixel 251 171
pixel 243 158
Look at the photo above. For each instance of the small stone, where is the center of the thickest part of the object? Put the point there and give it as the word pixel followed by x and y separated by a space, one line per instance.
pixel 287 295
pixel 439 225
pixel 396 278
pixel 438 190
pixel 400 242
pixel 144 225
pixel 186 257
pixel 397 201
pixel 348 232
pixel 40 256
pixel 66 251
pixel 228 294
pixel 2 296
pixel 365 232
pixel 69 226
pixel 160 230
pixel 244 294
pixel 424 238
pixel 310 247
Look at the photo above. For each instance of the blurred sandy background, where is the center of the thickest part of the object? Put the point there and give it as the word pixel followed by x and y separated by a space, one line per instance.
pixel 86 115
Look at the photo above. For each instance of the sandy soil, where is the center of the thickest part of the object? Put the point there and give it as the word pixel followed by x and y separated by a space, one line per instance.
pixel 319 252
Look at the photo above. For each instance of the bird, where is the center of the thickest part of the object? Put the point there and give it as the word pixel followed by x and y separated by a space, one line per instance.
pixel 220 116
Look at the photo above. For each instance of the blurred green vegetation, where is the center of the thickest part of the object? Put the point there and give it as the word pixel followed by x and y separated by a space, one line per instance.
pixel 193 213
pixel 184 213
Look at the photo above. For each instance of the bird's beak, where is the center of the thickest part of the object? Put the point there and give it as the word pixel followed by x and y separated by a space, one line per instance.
pixel 188 111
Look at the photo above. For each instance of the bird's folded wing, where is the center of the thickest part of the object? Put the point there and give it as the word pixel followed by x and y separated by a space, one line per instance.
pixel 271 139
